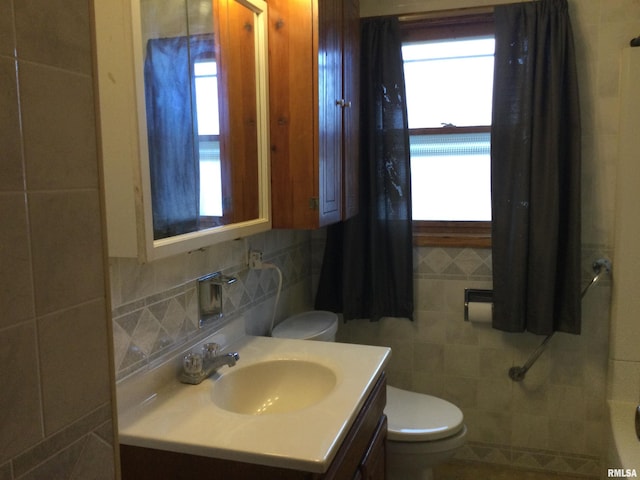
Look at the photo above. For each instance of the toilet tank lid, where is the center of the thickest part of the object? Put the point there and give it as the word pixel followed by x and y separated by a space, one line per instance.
pixel 306 324
pixel 416 417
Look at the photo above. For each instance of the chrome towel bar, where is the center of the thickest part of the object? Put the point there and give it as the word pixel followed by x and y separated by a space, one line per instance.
pixel 517 374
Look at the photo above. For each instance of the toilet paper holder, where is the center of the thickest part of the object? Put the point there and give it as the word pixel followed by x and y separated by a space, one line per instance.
pixel 475 295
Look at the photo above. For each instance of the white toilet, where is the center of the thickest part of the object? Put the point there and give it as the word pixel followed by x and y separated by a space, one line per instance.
pixel 422 430
pixel 313 325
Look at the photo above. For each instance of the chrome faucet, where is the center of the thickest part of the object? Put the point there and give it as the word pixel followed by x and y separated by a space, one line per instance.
pixel 198 366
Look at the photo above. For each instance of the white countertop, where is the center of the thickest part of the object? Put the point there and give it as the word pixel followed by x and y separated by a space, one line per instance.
pixel 183 418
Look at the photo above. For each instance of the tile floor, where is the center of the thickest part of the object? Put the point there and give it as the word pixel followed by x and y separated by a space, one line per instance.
pixel 481 471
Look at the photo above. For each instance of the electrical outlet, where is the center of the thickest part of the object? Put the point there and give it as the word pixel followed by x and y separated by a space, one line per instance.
pixel 255 259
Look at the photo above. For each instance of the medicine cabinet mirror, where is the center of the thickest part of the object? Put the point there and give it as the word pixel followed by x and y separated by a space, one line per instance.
pixel 182 88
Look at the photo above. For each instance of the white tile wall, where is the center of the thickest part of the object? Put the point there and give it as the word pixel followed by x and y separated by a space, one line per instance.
pixel 553 420
pixel 155 306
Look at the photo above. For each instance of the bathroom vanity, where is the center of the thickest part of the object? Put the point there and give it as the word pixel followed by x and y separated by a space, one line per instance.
pixel 329 426
pixel 361 455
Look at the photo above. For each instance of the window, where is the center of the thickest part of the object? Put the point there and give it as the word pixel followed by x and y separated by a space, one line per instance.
pixel 448 65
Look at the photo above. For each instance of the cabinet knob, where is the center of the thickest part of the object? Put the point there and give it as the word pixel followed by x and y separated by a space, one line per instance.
pixel 340 102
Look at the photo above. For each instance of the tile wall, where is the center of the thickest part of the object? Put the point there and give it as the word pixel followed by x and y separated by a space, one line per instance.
pixel 155 310
pixel 554 420
pixel 55 398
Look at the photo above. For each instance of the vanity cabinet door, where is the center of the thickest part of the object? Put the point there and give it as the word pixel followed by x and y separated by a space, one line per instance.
pixel 374 462
pixel 362 452
pixel 313 71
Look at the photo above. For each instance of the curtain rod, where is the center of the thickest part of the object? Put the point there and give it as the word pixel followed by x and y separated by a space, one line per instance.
pixel 435 14
pixel 413 17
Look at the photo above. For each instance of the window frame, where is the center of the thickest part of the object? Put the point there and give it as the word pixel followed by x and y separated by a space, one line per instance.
pixel 442 26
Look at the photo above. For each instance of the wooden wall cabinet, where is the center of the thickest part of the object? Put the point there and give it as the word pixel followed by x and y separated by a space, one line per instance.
pixel 361 455
pixel 314 84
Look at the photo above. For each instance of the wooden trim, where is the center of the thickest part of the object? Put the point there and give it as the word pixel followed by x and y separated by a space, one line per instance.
pixel 452 234
pixel 446 25
pixel 448 226
pixel 468 241
pixel 450 130
pixel 454 12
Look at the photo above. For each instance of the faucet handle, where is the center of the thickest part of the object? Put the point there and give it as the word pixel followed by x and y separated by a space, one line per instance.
pixel 192 364
pixel 210 350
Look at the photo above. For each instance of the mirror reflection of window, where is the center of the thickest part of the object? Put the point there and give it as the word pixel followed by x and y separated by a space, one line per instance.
pixel 201 111
pixel 172 127
pixel 206 82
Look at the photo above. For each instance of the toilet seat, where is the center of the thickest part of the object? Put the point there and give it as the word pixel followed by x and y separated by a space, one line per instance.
pixel 308 325
pixel 416 417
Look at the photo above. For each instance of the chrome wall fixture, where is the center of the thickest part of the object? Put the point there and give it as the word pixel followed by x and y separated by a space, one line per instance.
pixel 210 296
pixel 517 374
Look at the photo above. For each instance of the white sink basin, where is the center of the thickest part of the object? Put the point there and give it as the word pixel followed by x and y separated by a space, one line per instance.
pixel 276 386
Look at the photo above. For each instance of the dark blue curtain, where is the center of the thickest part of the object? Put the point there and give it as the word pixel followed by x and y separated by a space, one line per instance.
pixel 174 159
pixel 535 177
pixel 367 270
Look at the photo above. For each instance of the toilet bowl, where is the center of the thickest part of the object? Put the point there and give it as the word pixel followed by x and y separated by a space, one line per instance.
pixel 422 430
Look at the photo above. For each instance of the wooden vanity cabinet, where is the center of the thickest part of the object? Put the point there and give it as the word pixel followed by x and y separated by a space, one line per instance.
pixel 313 110
pixel 361 455
pixel 363 450
pixel 373 465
